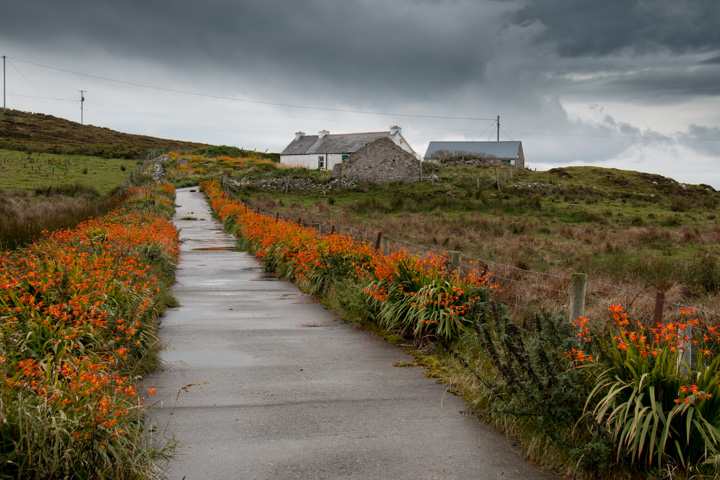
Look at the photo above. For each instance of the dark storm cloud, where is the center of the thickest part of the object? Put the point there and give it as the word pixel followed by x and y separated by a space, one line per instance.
pixel 595 28
pixel 673 84
pixel 424 47
pixel 376 52
pixel 657 80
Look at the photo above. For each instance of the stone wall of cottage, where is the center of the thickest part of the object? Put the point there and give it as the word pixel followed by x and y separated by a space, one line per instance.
pixel 381 161
pixel 461 161
pixel 444 158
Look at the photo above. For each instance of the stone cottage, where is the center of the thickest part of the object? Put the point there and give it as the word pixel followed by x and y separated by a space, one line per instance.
pixel 380 161
pixel 482 153
pixel 325 150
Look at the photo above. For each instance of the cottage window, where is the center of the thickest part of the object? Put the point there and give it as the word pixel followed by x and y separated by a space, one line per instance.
pixel 344 157
pixel 321 162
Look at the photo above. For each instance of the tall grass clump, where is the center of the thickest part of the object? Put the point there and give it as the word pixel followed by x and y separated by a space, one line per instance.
pixel 24 217
pixel 78 312
pixel 660 412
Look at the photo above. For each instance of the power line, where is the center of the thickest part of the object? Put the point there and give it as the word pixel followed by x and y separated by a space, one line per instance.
pixel 184 92
pixel 629 137
pixel 506 134
pixel 31 82
pixel 488 128
pixel 41 98
pixel 277 104
pixel 205 107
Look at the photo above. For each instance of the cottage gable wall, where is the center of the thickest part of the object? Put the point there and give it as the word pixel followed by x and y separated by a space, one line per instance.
pixel 381 161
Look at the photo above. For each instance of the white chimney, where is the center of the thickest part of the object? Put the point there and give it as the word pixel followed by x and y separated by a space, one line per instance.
pixel 323 133
pixel 395 130
pixel 299 135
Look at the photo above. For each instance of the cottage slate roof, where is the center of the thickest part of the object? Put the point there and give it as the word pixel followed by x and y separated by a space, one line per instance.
pixel 505 149
pixel 337 143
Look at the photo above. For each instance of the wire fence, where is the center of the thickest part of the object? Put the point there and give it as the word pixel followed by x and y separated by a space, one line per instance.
pixel 150 163
pixel 524 291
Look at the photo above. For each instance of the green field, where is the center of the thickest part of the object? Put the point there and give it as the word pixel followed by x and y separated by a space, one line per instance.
pixel 28 171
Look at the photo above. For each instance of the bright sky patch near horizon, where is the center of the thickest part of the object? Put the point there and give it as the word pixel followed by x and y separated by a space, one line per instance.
pixel 631 84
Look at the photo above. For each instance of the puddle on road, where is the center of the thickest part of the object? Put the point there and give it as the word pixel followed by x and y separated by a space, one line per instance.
pixel 265 277
pixel 202 357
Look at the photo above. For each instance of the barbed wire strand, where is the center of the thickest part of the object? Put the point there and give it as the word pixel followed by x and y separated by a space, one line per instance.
pixel 370 238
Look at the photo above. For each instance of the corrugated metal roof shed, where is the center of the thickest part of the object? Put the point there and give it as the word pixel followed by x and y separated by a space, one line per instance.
pixel 506 149
pixel 338 143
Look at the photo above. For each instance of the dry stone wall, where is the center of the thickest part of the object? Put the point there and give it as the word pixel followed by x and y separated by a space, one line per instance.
pixel 293 184
pixel 460 161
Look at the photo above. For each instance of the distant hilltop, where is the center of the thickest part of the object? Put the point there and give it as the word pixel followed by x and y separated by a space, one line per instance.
pixel 38 132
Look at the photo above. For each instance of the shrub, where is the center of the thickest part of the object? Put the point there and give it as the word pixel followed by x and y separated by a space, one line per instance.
pixel 534 380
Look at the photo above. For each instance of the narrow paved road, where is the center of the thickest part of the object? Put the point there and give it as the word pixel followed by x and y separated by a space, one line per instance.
pixel 261 382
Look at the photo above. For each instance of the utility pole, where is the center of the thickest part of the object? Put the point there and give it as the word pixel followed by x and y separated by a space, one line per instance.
pixel 82 101
pixel 498 128
pixel 4 99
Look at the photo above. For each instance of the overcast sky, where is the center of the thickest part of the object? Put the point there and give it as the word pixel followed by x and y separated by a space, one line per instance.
pixel 632 84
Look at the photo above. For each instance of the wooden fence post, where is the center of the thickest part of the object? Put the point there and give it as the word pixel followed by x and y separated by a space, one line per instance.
pixel 684 361
pixel 377 242
pixel 455 261
pixel 578 286
pixel 659 304
pixel 386 246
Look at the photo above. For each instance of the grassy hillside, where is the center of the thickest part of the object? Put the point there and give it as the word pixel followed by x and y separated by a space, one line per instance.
pixel 640 231
pixel 35 132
